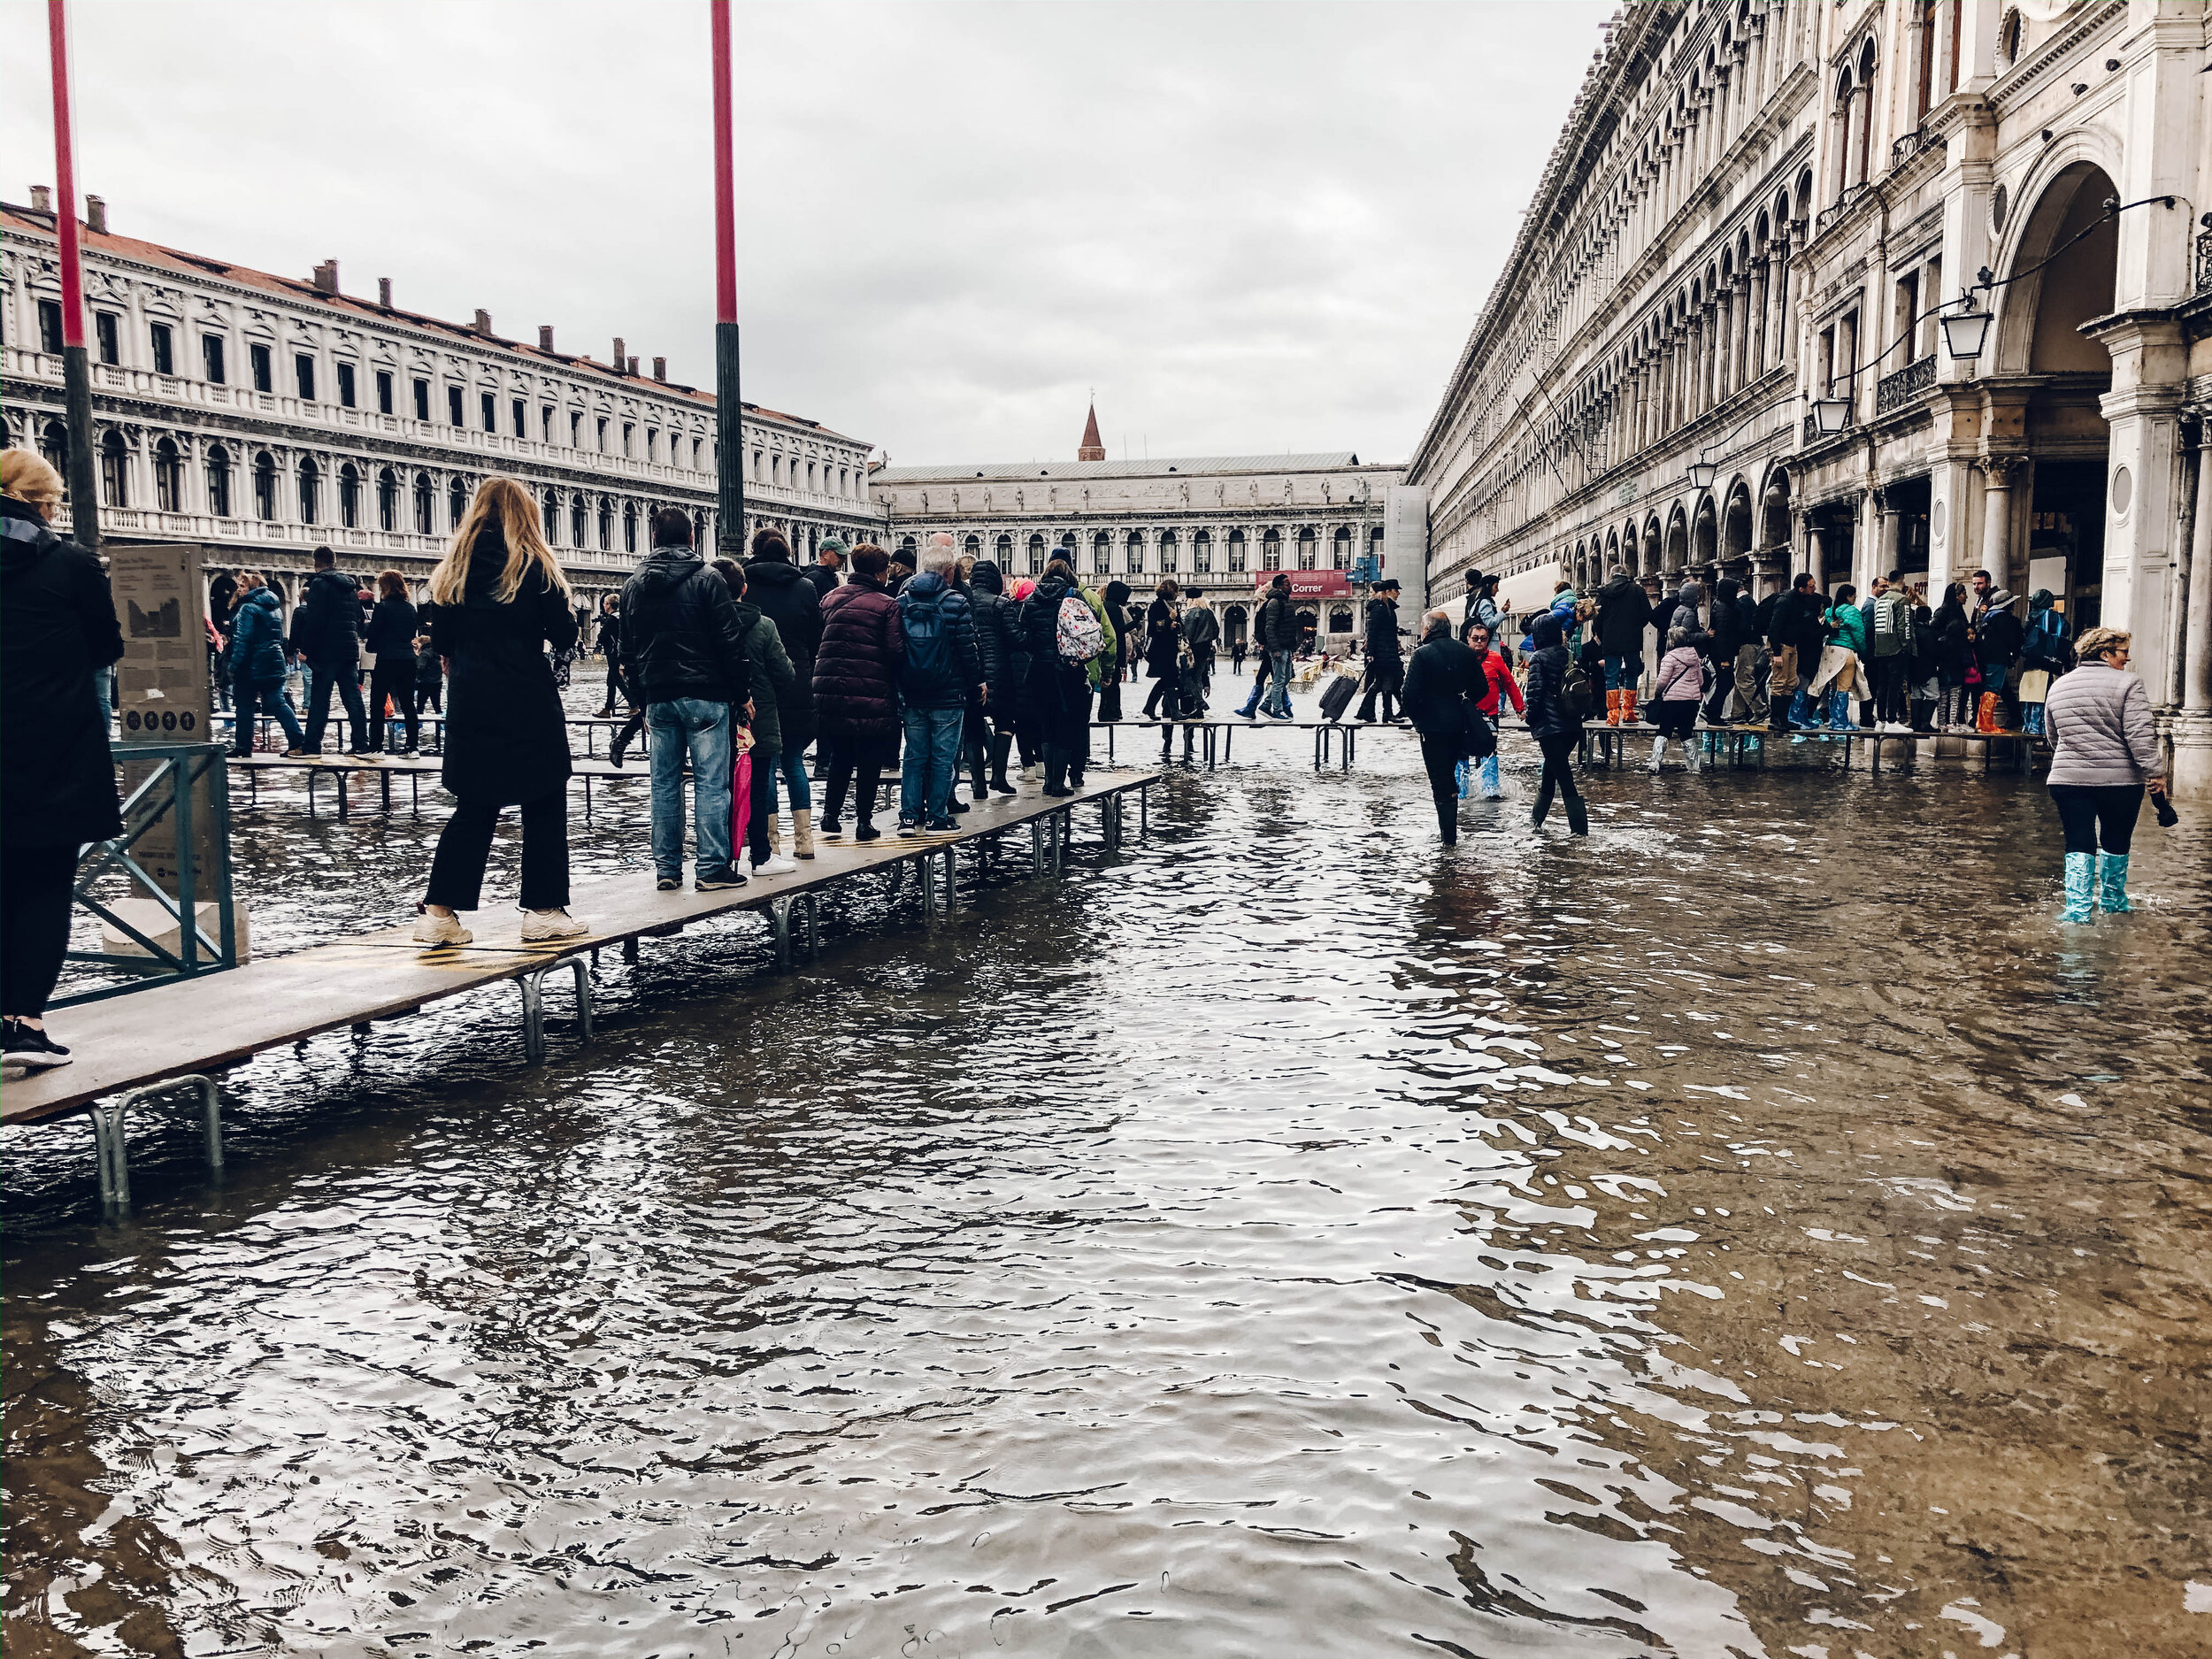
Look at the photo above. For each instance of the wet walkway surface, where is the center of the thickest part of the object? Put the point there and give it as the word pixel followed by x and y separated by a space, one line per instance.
pixel 1756 1231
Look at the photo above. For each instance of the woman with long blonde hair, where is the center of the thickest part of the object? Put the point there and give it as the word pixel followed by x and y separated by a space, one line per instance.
pixel 497 600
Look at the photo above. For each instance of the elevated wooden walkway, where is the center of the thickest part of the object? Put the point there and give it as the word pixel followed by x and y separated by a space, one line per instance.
pixel 129 1047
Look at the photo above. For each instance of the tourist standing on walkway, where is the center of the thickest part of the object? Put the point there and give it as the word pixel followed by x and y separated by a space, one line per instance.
pixel 1278 628
pixel 1676 693
pixel 1065 651
pixel 429 671
pixel 1800 636
pixel 684 658
pixel 609 644
pixel 1952 645
pixel 902 571
pixel 2104 753
pixel 1497 684
pixel 769 673
pixel 1386 667
pixel 1556 727
pixel 1123 621
pixel 1623 613
pixel 1998 636
pixel 1923 685
pixel 57 626
pixel 822 575
pixel 2043 656
pixel 1839 676
pixel 789 599
pixel 855 689
pixel 497 599
pixel 326 633
pixel 1201 639
pixel 1164 654
pixel 257 668
pixel 940 668
pixel 391 643
pixel 1005 659
pixel 1442 685
pixel 1731 628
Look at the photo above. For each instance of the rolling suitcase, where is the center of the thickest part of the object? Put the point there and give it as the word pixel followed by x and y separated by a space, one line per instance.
pixel 1338 697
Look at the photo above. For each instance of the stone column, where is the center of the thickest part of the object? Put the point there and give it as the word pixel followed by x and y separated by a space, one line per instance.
pixel 2192 726
pixel 2143 409
pixel 1998 473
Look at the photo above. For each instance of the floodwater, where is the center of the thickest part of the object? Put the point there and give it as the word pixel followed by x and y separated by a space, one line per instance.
pixel 1756 1231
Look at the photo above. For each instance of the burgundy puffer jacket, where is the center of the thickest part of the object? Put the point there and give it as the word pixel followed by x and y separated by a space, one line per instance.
pixel 856 669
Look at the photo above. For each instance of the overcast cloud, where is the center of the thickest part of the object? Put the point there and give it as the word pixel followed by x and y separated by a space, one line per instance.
pixel 1251 226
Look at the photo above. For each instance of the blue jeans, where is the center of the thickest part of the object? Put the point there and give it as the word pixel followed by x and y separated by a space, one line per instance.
pixel 253 697
pixel 1623 673
pixel 933 755
pixel 1278 698
pixel 792 769
pixel 702 729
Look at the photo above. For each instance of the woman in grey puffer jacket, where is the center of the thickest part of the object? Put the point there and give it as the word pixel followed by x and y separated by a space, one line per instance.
pixel 2105 751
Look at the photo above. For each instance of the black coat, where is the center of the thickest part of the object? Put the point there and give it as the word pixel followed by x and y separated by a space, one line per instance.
pixel 1382 628
pixel 392 631
pixel 56 625
pixel 856 669
pixel 326 626
pixel 998 639
pixel 1442 680
pixel 1278 625
pixel 681 636
pixel 1623 613
pixel 785 595
pixel 1056 693
pixel 506 736
pixel 1547 716
pixel 1163 639
pixel 1731 623
pixel 1797 622
pixel 1949 645
pixel 822 580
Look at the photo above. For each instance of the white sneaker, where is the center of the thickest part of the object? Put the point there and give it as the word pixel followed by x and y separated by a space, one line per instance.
pixel 1031 773
pixel 440 930
pixel 777 865
pixel 540 927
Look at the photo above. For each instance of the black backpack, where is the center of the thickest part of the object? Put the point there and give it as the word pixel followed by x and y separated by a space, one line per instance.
pixel 1574 691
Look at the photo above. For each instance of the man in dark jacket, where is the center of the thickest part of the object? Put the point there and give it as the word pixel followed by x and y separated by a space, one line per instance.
pixel 1277 626
pixel 855 689
pixel 1386 668
pixel 789 599
pixel 939 671
pixel 683 656
pixel 1445 678
pixel 1724 638
pixel 1798 638
pixel 1005 657
pixel 822 574
pixel 326 632
pixel 1623 613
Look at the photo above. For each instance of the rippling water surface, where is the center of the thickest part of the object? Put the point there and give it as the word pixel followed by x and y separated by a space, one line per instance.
pixel 1757 1230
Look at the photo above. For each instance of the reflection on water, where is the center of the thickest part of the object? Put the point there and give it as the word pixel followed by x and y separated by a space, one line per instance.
pixel 1754 1232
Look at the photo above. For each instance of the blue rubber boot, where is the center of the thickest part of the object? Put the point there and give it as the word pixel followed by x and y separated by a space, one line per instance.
pixel 1802 711
pixel 1840 710
pixel 1465 773
pixel 2112 883
pixel 1492 790
pixel 2081 880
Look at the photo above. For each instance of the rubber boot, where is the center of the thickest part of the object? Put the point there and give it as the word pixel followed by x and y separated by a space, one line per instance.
pixel 1577 815
pixel 1492 790
pixel 1448 821
pixel 1840 710
pixel 1055 773
pixel 1922 725
pixel 1658 752
pixel 1612 708
pixel 1801 713
pixel 2080 886
pixel 1628 705
pixel 979 786
pixel 802 832
pixel 1690 747
pixel 1002 743
pixel 1251 705
pixel 2112 883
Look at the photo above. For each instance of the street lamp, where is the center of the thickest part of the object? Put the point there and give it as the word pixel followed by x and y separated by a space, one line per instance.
pixel 1965 329
pixel 1702 473
pixel 1831 414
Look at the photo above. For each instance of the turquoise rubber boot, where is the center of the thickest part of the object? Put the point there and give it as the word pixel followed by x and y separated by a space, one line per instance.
pixel 2112 883
pixel 2081 882
pixel 1839 712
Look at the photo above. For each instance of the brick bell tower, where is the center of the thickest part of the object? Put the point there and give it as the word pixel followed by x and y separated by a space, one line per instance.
pixel 1093 449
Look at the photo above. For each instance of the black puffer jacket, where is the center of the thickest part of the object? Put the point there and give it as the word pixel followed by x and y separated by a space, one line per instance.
pixel 857 670
pixel 681 636
pixel 1163 639
pixel 1277 626
pixel 785 595
pixel 392 631
pixel 1623 613
pixel 1444 678
pixel 1731 626
pixel 998 636
pixel 326 626
pixel 506 736
pixel 56 625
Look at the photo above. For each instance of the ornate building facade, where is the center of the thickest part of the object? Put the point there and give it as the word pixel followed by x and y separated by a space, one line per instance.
pixel 263 416
pixel 1755 206
pixel 1222 524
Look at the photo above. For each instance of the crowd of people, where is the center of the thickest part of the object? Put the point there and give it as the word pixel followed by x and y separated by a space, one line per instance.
pixel 944 672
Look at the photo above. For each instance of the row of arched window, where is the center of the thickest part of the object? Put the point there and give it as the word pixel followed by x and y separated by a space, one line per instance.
pixel 821 478
pixel 1163 552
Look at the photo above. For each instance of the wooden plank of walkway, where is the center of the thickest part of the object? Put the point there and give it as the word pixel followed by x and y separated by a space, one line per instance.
pixel 191 1025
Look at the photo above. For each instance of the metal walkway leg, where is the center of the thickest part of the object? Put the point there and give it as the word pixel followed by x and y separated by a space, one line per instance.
pixel 779 926
pixel 109 1121
pixel 532 984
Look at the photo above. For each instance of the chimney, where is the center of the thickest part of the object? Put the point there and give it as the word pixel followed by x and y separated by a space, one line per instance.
pixel 483 320
pixel 95 214
pixel 42 198
pixel 545 337
pixel 618 358
pixel 632 365
pixel 660 368
pixel 327 277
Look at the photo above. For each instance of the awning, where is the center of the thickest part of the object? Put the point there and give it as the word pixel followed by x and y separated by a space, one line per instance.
pixel 1530 590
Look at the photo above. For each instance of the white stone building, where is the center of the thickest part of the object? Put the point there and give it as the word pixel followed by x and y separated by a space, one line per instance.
pixel 264 416
pixel 1218 523
pixel 1754 205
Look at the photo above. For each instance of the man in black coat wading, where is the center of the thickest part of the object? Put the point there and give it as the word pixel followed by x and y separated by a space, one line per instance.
pixel 1444 677
pixel 327 631
pixel 1386 668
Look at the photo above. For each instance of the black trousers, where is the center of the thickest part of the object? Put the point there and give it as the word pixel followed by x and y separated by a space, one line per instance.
pixel 614 680
pixel 858 767
pixel 465 846
pixel 764 805
pixel 1559 773
pixel 2091 813
pixel 430 694
pixel 396 682
pixel 1440 756
pixel 1166 701
pixel 347 680
pixel 1384 676
pixel 1889 686
pixel 35 889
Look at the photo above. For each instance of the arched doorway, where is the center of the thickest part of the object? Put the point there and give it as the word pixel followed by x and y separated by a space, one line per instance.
pixel 1235 624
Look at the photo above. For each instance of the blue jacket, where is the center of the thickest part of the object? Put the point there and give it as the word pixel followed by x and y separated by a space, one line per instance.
pixel 943 678
pixel 256 638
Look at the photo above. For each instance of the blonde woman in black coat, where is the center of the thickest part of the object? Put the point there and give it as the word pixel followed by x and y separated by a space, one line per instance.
pixel 497 599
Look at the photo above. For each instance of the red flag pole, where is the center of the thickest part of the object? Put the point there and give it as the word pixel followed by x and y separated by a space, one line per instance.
pixel 729 409
pixel 84 500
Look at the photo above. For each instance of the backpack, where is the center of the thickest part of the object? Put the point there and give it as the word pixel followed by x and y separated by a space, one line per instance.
pixel 929 666
pixel 1077 631
pixel 1574 691
pixel 2047 646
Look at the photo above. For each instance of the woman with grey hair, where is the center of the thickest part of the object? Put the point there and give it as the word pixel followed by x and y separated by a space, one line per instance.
pixel 2104 753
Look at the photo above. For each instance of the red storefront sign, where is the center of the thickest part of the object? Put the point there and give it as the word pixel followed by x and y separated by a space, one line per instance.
pixel 1309 584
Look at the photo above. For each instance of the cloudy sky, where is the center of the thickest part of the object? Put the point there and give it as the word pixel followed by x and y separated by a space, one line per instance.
pixel 1251 226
